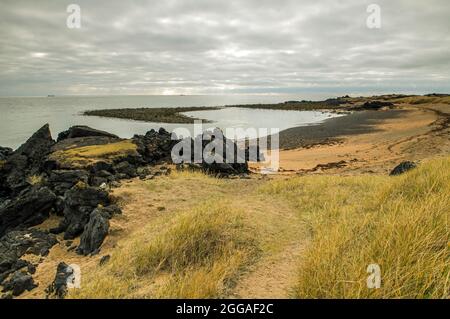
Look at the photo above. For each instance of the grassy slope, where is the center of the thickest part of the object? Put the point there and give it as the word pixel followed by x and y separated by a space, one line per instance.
pixel 221 245
pixel 400 223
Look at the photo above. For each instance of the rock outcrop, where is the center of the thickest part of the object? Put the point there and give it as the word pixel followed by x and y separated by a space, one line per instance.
pixel 26 161
pixel 402 168
pixel 79 202
pixel 154 145
pixel 374 105
pixel 83 131
pixel 216 160
pixel 34 183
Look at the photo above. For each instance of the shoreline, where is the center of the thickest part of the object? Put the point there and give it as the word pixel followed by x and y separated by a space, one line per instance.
pixel 374 145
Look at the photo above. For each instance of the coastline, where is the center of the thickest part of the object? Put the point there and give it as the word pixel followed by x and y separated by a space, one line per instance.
pixel 371 146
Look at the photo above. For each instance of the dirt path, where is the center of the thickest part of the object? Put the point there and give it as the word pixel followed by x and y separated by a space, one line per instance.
pixel 284 239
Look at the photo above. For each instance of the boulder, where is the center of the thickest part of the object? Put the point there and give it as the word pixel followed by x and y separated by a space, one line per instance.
pixel 94 233
pixel 31 207
pixel 63 180
pixel 402 168
pixel 16 244
pixel 58 288
pixel 18 283
pixel 83 131
pixel 79 202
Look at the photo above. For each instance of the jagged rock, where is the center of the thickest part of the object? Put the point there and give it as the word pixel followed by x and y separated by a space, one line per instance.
pixel 31 207
pixel 58 288
pixel 221 165
pixel 37 146
pixel 83 131
pixel 63 180
pixel 80 201
pixel 402 168
pixel 155 146
pixel 15 244
pixel 18 283
pixel 94 233
pixel 27 160
pixel 5 152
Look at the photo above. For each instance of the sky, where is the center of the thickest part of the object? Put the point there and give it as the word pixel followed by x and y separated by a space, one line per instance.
pixel 223 47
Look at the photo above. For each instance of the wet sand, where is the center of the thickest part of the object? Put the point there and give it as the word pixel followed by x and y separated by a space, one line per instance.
pixel 332 129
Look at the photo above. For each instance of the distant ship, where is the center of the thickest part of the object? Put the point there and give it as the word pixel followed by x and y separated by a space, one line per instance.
pixel 50 95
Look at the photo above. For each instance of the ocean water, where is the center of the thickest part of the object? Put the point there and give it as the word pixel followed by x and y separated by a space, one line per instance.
pixel 20 117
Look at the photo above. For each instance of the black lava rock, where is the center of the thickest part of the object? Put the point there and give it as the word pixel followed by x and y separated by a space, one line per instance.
pixel 15 244
pixel 31 207
pixel 63 180
pixel 18 283
pixel 83 131
pixel 58 288
pixel 27 160
pixel 402 168
pixel 79 202
pixel 94 233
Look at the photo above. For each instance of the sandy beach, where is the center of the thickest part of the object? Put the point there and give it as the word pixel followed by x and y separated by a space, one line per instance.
pixel 366 141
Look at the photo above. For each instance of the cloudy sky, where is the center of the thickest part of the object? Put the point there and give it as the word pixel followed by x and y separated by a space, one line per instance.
pixel 222 47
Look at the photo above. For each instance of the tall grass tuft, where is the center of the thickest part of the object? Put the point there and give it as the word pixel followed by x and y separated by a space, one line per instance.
pixel 198 254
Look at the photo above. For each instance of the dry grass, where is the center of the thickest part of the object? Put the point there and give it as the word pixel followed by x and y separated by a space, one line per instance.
pixel 87 155
pixel 196 254
pixel 399 223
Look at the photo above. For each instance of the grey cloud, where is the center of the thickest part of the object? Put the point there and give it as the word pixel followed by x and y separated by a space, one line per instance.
pixel 211 46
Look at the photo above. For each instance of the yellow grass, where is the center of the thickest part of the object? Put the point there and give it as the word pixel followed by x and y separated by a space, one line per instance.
pixel 196 254
pixel 86 155
pixel 34 179
pixel 400 223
